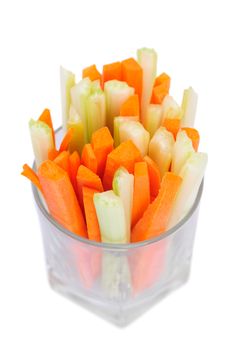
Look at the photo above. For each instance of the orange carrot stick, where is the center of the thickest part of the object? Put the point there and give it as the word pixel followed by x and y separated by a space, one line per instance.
pixel 126 155
pixel 93 229
pixel 86 177
pixel 141 194
pixel 155 218
pixel 130 107
pixel 102 144
pixel 46 118
pixel 193 134
pixel 132 75
pixel 53 153
pixel 60 197
pixel 62 160
pixel 74 163
pixel 66 140
pixel 161 88
pixel 154 176
pixel 111 71
pixel 31 175
pixel 92 73
pixel 172 125
pixel 163 78
pixel 89 158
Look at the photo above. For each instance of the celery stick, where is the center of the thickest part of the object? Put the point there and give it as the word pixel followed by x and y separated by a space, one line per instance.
pixel 42 140
pixel 192 173
pixel 189 107
pixel 117 122
pixel 147 58
pixel 116 92
pixel 135 132
pixel 79 96
pixel 182 150
pixel 111 217
pixel 171 109
pixel 123 186
pixel 161 148
pixel 96 111
pixel 75 122
pixel 67 82
pixel 153 118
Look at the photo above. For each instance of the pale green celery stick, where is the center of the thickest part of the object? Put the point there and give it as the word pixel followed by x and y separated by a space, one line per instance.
pixel 161 148
pixel 192 174
pixel 171 109
pixel 116 92
pixel 78 139
pixel 135 132
pixel 123 186
pixel 117 122
pixel 189 107
pixel 42 140
pixel 96 111
pixel 154 118
pixel 182 150
pixel 116 277
pixel 147 58
pixel 67 81
pixel 79 96
pixel 95 85
pixel 111 217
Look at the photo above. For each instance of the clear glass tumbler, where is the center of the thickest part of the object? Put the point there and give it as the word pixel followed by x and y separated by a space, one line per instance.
pixel 117 281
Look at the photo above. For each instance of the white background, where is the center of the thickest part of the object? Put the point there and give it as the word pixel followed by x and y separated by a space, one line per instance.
pixel 194 43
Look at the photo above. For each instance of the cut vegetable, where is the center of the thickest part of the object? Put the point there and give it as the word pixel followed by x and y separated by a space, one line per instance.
pixel 96 111
pixel 75 122
pixel 116 92
pixel 111 217
pixel 189 107
pixel 172 125
pixel 192 174
pixel 74 163
pixel 92 73
pixel 132 75
pixel 130 107
pixel 67 82
pixel 42 140
pixel 154 176
pixel 111 71
pixel 171 110
pixel 193 134
pixel 93 230
pixel 182 150
pixel 134 131
pixel 118 121
pixel 62 160
pixel 88 158
pixel 161 148
pixel 66 140
pixel 123 186
pixel 161 88
pixel 126 154
pixel 147 58
pixel 102 144
pixel 52 154
pixel 32 176
pixel 60 197
pixel 141 193
pixel 155 218
pixel 46 118
pixel 153 118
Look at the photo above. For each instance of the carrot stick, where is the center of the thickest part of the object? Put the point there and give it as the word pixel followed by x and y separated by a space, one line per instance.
pixel 130 107
pixel 132 75
pixel 66 140
pixel 60 197
pixel 111 71
pixel 93 230
pixel 141 194
pixel 161 88
pixel 163 78
pixel 172 125
pixel 91 72
pixel 102 144
pixel 155 218
pixel 88 158
pixel 74 163
pixel 86 177
pixel 62 160
pixel 154 176
pixel 53 153
pixel 31 175
pixel 126 155
pixel 46 118
pixel 193 134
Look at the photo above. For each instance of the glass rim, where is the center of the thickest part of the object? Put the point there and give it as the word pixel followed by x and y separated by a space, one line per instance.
pixel 116 246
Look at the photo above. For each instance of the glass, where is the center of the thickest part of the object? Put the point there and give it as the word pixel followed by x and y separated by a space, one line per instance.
pixel 117 281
